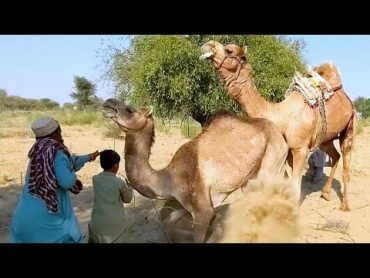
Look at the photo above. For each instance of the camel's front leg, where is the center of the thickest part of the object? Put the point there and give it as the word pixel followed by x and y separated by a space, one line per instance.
pixel 299 160
pixel 201 224
pixel 178 227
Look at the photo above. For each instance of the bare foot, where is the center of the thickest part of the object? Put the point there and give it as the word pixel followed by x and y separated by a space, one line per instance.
pixel 344 207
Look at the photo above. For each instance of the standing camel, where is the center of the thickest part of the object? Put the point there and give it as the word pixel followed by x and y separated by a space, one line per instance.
pixel 301 125
pixel 227 153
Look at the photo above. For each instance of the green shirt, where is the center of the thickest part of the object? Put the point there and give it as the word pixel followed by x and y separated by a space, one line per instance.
pixel 108 215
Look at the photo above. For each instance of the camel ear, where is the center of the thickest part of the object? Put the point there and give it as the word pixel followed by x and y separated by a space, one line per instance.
pixel 149 111
pixel 245 48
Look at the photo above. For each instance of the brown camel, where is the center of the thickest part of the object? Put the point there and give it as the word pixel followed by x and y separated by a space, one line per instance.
pixel 222 158
pixel 301 125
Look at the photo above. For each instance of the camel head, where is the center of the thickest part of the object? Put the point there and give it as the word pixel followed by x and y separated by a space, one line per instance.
pixel 219 54
pixel 126 116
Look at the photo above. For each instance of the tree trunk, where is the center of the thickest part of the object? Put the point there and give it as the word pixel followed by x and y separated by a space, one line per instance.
pixel 200 116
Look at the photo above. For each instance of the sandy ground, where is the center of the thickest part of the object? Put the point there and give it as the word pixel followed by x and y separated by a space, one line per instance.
pixel 321 221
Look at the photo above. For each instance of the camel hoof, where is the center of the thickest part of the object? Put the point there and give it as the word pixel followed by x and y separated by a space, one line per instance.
pixel 344 207
pixel 325 196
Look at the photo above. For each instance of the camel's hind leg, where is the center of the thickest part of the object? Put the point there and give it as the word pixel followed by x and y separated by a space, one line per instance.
pixel 346 141
pixel 273 162
pixel 330 149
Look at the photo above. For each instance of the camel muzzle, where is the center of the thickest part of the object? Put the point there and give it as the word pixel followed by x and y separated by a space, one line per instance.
pixel 206 55
pixel 109 109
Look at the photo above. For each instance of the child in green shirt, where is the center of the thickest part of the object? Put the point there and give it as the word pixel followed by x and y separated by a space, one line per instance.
pixel 108 223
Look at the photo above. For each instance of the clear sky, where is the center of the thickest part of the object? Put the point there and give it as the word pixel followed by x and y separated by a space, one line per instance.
pixel 43 66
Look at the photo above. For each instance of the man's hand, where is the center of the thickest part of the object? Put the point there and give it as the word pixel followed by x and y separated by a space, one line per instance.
pixel 94 155
pixel 77 187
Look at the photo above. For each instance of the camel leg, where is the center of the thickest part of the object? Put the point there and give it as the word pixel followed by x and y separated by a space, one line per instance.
pixel 201 210
pixel 202 213
pixel 273 161
pixel 346 148
pixel 289 166
pixel 299 160
pixel 201 224
pixel 346 144
pixel 169 207
pixel 330 149
pixel 177 232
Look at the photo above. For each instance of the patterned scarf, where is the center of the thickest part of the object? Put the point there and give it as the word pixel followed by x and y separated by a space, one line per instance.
pixel 42 182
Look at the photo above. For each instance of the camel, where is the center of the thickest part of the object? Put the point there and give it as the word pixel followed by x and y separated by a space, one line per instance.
pixel 301 125
pixel 227 153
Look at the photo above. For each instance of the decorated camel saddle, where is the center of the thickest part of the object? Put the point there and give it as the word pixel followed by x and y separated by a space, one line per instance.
pixel 312 87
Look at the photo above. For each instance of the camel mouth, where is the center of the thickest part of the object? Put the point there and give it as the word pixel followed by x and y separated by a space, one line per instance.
pixel 110 108
pixel 206 55
pixel 110 112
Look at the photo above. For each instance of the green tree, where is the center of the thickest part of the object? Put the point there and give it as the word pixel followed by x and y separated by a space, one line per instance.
pixel 48 103
pixel 68 105
pixel 85 93
pixel 363 106
pixel 165 71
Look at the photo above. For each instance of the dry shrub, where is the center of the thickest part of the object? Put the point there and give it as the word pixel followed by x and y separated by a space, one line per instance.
pixel 267 212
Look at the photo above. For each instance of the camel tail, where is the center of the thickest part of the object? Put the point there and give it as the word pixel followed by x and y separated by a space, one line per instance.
pixel 352 124
pixel 350 130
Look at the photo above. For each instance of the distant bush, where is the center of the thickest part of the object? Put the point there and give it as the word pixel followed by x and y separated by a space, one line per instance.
pixel 361 124
pixel 25 104
pixel 87 117
pixel 363 106
pixel 12 121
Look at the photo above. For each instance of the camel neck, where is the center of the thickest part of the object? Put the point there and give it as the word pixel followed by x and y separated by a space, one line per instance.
pixel 147 181
pixel 244 91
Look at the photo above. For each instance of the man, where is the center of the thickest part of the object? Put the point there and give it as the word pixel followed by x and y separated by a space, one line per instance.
pixel 44 213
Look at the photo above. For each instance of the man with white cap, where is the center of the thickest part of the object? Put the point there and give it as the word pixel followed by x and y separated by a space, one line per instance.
pixel 44 213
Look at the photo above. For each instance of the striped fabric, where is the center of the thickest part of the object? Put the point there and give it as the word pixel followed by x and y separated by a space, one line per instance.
pixel 42 182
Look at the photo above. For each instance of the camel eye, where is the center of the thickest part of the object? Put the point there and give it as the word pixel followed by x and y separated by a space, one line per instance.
pixel 228 51
pixel 130 110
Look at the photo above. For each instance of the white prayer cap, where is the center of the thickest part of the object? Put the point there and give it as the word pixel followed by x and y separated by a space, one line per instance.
pixel 44 126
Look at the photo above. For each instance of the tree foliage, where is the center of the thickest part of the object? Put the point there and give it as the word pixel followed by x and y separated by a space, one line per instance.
pixel 8 102
pixel 85 93
pixel 363 106
pixel 165 71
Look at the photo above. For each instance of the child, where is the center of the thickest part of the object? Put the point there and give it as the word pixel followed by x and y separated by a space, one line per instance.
pixel 108 223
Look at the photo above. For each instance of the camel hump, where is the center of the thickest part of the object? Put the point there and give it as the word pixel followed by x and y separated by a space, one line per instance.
pixel 221 115
pixel 330 72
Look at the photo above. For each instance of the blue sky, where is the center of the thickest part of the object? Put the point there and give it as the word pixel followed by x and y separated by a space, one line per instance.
pixel 43 66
